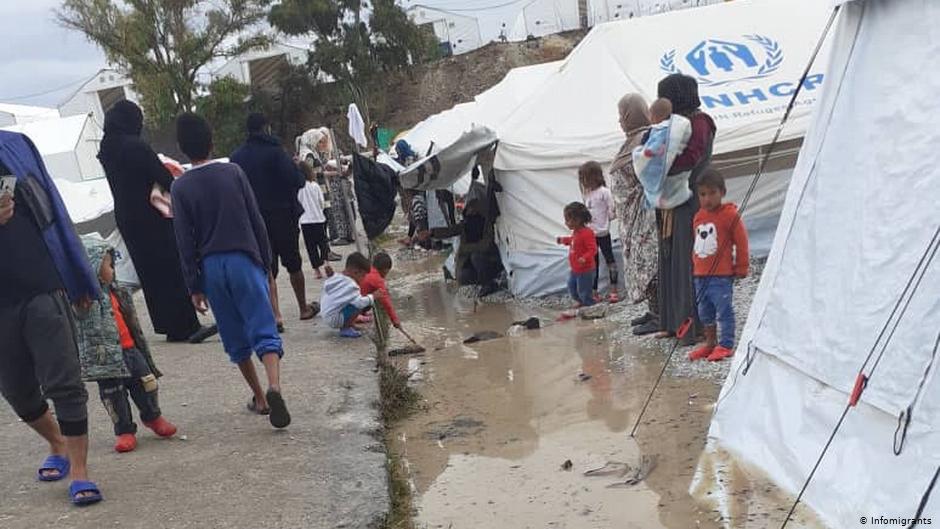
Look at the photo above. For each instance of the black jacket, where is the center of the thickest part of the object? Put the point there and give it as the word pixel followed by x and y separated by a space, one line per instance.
pixel 273 176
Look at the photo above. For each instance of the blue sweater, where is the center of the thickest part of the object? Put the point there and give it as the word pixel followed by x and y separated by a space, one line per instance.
pixel 215 211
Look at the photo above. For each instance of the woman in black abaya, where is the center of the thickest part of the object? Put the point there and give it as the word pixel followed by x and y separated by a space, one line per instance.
pixel 132 168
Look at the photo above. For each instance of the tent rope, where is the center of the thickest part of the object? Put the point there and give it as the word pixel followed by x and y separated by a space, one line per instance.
pixel 861 380
pixel 923 501
pixel 904 419
pixel 687 324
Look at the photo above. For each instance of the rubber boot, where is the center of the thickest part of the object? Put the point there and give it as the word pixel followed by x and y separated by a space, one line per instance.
pixel 711 341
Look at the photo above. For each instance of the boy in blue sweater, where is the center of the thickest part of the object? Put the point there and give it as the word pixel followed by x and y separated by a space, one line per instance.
pixel 225 258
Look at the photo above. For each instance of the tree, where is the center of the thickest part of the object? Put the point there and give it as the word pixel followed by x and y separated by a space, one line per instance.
pixel 163 44
pixel 355 44
pixel 226 107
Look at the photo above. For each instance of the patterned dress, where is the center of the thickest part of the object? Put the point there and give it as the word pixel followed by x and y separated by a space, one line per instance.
pixel 638 234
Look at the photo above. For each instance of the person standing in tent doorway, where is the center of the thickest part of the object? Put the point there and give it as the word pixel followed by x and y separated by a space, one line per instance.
pixel 225 255
pixel 719 256
pixel 134 171
pixel 600 203
pixel 38 352
pixel 676 292
pixel 637 223
pixel 275 180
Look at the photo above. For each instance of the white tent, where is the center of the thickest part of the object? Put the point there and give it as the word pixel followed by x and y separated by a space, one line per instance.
pixel 748 56
pixel 69 146
pixel 545 17
pixel 859 214
pixel 12 114
pixel 488 109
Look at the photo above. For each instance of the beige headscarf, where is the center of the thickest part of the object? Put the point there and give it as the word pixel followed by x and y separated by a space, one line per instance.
pixel 634 120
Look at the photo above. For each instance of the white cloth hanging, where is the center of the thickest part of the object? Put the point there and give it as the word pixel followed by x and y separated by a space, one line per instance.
pixel 357 127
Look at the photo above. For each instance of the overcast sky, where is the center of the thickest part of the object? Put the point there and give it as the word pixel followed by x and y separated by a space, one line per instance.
pixel 37 55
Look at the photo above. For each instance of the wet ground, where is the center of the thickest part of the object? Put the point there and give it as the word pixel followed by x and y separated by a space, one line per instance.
pixel 504 416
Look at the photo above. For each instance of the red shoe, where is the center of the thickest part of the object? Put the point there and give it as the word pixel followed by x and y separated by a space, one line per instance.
pixel 364 318
pixel 702 352
pixel 161 427
pixel 125 442
pixel 720 353
pixel 613 298
pixel 567 315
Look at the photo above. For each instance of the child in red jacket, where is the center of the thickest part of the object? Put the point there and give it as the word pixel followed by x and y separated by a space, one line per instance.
pixel 719 231
pixel 375 280
pixel 582 255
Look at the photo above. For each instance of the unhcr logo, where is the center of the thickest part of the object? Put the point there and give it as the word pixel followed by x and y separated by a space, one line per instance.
pixel 716 62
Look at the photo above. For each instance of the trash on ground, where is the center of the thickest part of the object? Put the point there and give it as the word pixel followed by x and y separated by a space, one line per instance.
pixel 584 377
pixel 567 465
pixel 482 336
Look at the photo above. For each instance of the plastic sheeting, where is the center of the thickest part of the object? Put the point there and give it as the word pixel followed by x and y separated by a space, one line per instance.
pixel 748 56
pixel 858 217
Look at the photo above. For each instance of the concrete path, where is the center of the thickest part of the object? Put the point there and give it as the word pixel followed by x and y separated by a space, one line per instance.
pixel 227 468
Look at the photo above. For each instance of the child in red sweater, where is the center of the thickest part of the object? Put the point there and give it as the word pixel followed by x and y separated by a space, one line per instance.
pixel 582 255
pixel 375 281
pixel 719 231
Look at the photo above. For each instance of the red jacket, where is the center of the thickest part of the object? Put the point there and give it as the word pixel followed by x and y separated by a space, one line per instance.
pixel 374 281
pixel 583 245
pixel 716 234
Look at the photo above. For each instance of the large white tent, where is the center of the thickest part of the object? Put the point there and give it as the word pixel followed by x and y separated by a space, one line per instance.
pixel 859 215
pixel 748 56
pixel 69 146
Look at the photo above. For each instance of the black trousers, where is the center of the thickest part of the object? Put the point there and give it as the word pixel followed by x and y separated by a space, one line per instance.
pixel 141 386
pixel 317 243
pixel 39 361
pixel 607 250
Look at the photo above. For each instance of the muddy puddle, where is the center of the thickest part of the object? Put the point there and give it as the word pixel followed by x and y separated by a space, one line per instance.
pixel 504 416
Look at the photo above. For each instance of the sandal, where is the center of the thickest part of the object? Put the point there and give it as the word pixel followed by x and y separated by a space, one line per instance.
pixel 309 314
pixel 280 418
pixel 253 407
pixel 55 463
pixel 78 487
pixel 280 328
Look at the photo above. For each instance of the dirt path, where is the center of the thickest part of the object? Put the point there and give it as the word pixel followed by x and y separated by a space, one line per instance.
pixel 232 470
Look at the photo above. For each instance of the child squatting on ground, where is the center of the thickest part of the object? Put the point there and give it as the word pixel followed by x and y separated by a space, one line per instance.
pixel 342 302
pixel 113 352
pixel 582 256
pixel 719 255
pixel 225 257
pixel 600 202
pixel 374 281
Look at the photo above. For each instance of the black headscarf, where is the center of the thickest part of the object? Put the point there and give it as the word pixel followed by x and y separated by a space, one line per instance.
pixel 124 119
pixel 682 91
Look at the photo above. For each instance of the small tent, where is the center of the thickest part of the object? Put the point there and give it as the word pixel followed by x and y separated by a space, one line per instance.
pixel 12 114
pixel 748 57
pixel 69 146
pixel 859 217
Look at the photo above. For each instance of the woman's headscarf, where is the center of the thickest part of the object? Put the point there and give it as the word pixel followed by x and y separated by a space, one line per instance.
pixel 682 91
pixel 311 140
pixel 124 119
pixel 634 120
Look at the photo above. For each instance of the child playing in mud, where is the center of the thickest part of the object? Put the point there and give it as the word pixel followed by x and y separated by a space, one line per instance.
pixel 374 281
pixel 600 203
pixel 114 353
pixel 718 231
pixel 342 301
pixel 582 257
pixel 225 257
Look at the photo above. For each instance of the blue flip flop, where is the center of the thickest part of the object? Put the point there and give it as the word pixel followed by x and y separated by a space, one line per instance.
pixel 350 333
pixel 55 462
pixel 79 486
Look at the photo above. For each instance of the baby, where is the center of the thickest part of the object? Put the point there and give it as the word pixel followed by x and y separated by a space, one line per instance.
pixel 666 139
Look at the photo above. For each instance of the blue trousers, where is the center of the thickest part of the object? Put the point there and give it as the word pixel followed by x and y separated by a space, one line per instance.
pixel 714 295
pixel 581 287
pixel 237 289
